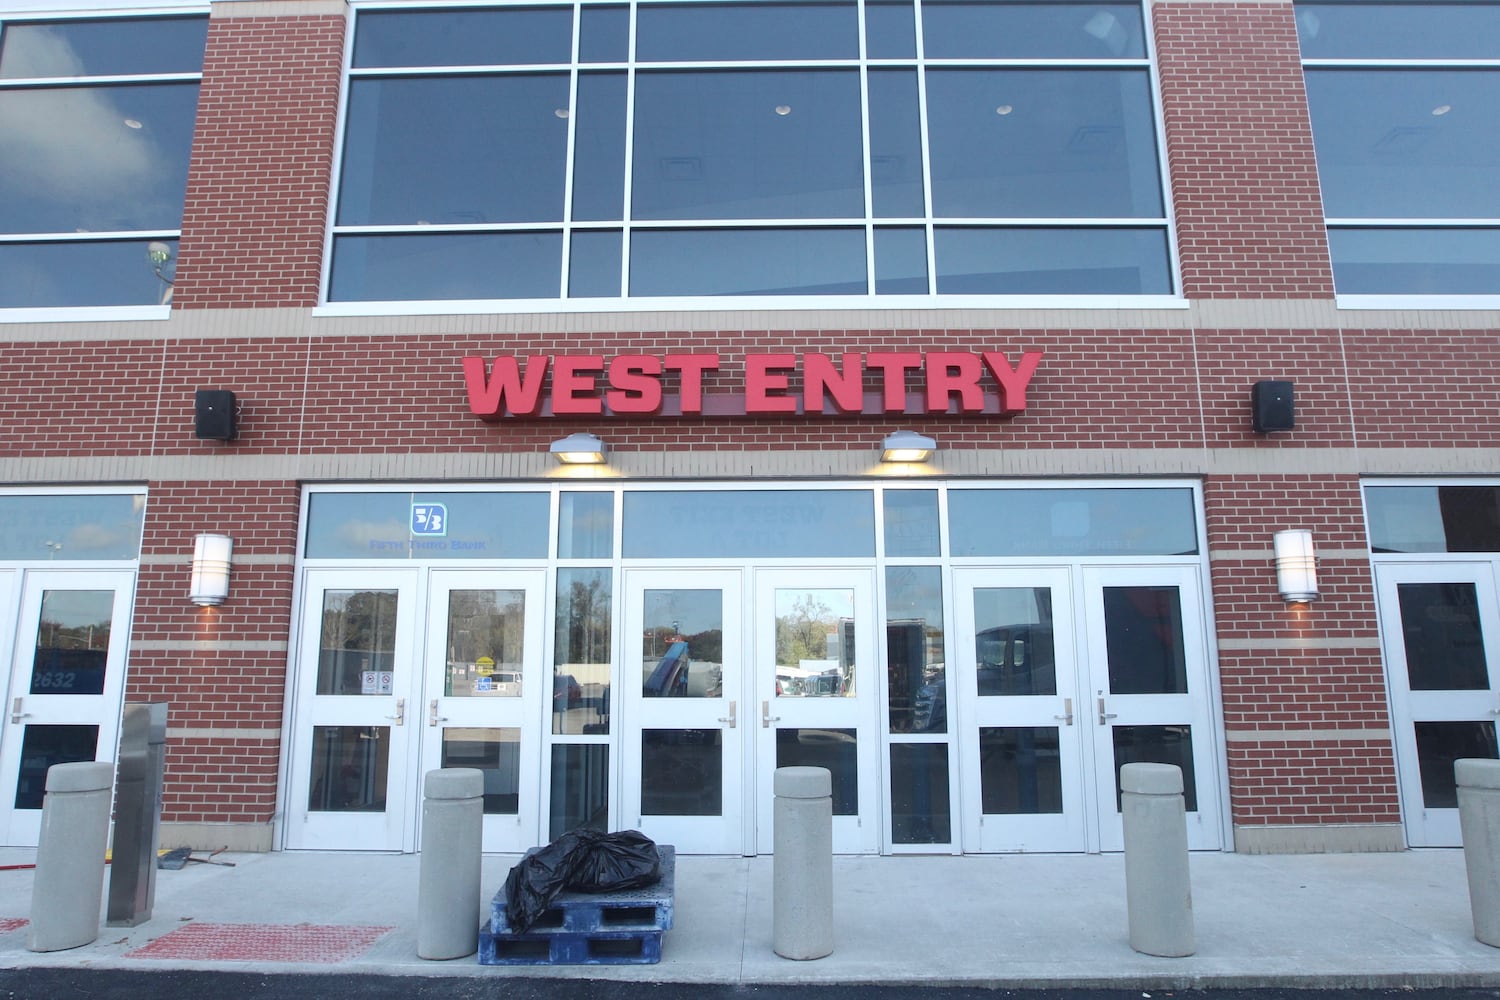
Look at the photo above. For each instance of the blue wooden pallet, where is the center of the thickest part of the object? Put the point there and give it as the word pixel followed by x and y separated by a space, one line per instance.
pixel 629 911
pixel 605 948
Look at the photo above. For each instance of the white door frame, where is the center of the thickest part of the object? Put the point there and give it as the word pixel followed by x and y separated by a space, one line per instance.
pixel 860 833
pixel 1437 826
pixel 25 709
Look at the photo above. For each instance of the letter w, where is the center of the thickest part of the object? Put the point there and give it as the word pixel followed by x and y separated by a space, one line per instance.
pixel 505 387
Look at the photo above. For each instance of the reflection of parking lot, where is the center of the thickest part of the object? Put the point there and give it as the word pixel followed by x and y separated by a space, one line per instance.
pixel 579 708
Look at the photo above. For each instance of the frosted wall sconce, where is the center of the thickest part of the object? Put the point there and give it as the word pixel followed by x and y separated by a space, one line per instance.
pixel 1296 566
pixel 210 569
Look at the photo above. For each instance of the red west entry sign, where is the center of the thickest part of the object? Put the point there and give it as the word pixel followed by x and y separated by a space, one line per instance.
pixel 588 385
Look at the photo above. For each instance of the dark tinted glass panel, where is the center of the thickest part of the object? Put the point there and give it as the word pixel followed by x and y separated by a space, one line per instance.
pixel 900 261
pixel 1026 143
pixel 890 30
pixel 383 526
pixel 95 159
pixel 1157 745
pixel 599 150
pixel 1013 641
pixel 747 262
pixel 1019 773
pixel 980 261
pixel 834 749
pixel 911 522
pixel 1406 143
pixel 682 772
pixel 586 526
pixel 1434 518
pixel 1072 522
pixel 682 646
pixel 486 643
pixel 72 642
pixel 768 144
pixel 1032 30
pixel 356 649
pixel 895 144
pixel 107 47
pixel 1399 30
pixel 920 812
pixel 455 150
pixel 1143 636
pixel 581 651
pixel 43 746
pixel 711 524
pixel 113 273
pixel 518 35
pixel 62 527
pixel 580 788
pixel 723 32
pixel 1439 744
pixel 594 265
pixel 350 767
pixel 467 266
pixel 604 34
pixel 1415 261
pixel 1444 641
pixel 496 752
pixel 916 681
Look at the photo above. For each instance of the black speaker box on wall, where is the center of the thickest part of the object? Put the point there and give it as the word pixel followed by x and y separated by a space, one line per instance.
pixel 213 414
pixel 1273 404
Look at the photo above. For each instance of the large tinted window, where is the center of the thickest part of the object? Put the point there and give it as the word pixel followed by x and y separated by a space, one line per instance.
pixel 1404 100
pixel 675 148
pixel 97 124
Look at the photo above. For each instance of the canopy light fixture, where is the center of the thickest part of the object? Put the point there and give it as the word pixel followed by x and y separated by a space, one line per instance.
pixel 210 569
pixel 579 449
pixel 907 446
pixel 1296 566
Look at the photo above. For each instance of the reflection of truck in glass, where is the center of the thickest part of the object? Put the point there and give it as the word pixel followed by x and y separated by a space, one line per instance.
pixel 1009 660
pixel 670 677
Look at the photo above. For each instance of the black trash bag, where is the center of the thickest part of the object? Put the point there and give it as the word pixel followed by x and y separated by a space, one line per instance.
pixel 581 860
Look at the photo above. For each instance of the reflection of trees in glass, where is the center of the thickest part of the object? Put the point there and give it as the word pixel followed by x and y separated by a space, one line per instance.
pixel 802 634
pixel 75 619
pixel 55 635
pixel 584 598
pixel 362 620
pixel 486 623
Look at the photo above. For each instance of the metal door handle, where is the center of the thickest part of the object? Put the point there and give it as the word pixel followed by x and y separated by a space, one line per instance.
pixel 432 717
pixel 400 716
pixel 730 718
pixel 766 718
pixel 1067 715
pixel 1104 716
pixel 16 715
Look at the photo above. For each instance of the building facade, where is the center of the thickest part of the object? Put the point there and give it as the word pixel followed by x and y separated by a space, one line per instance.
pixel 340 294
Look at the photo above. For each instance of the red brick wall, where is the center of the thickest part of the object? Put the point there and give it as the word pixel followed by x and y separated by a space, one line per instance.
pixel 236 680
pixel 257 194
pixel 1239 147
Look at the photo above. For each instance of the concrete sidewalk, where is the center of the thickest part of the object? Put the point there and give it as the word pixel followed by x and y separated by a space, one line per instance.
pixel 1347 920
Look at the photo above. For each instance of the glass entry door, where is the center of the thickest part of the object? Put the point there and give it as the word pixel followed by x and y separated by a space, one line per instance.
pixel 67 680
pixel 816 700
pixel 1147 692
pixel 1025 720
pixel 351 774
pixel 1439 627
pixel 684 734
pixel 484 693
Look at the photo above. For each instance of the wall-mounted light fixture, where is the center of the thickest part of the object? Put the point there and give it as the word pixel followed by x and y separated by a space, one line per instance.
pixel 210 569
pixel 579 449
pixel 1296 566
pixel 907 446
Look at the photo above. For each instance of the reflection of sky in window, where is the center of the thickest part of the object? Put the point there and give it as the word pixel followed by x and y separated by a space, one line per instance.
pixel 71 527
pixel 72 161
pixel 106 47
pixel 828 605
pixel 692 611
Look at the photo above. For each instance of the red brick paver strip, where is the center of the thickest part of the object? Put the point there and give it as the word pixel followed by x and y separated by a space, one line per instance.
pixel 263 943
pixel 8 924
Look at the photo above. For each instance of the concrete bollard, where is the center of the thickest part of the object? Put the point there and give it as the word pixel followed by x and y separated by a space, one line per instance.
pixel 1158 893
pixel 449 875
pixel 1478 783
pixel 802 868
pixel 132 872
pixel 69 883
